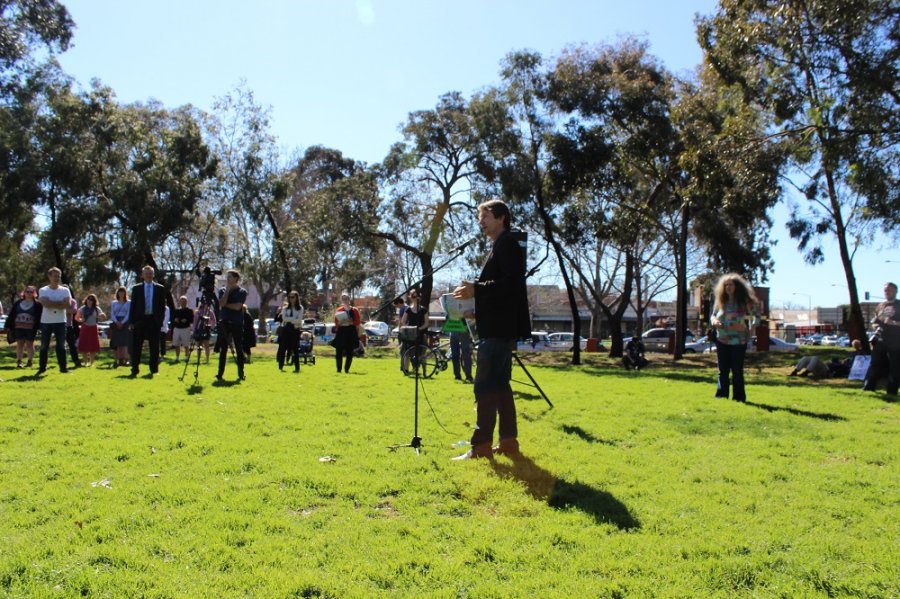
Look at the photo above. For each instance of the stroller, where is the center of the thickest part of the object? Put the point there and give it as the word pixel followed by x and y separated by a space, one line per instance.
pixel 305 348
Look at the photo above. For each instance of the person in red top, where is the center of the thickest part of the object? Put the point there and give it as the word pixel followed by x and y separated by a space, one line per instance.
pixel 346 340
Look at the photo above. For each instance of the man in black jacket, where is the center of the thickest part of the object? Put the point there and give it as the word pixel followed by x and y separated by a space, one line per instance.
pixel 501 317
pixel 148 309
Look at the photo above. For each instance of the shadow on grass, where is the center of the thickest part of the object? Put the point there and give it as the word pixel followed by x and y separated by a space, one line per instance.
pixel 194 389
pixel 224 383
pixel 26 378
pixel 584 435
pixel 796 412
pixel 528 396
pixel 560 493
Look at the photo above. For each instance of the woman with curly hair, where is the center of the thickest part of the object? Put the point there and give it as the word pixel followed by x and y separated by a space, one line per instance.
pixel 734 312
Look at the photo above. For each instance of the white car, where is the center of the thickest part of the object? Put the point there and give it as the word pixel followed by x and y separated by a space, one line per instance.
pixel 698 347
pixel 775 344
pixel 377 332
pixel 564 341
pixel 830 340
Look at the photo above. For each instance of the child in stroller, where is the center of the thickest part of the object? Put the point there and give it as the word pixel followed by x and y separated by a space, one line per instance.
pixel 305 348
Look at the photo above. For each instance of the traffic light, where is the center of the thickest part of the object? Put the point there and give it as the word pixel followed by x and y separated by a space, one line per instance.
pixel 867 295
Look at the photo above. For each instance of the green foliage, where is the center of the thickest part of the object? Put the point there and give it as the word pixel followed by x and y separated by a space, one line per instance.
pixel 333 204
pixel 826 71
pixel 26 26
pixel 635 484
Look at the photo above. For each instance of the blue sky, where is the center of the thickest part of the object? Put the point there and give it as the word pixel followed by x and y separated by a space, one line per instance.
pixel 345 73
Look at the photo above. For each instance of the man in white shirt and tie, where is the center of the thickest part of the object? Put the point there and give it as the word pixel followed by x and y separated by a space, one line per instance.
pixel 148 308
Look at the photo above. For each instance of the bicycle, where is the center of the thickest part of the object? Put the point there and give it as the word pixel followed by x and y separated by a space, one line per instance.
pixel 427 360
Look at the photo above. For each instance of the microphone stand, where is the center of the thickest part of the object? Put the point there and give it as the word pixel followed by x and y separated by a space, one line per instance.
pixel 416 442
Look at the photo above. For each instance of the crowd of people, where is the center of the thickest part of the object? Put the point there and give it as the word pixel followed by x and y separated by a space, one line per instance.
pixel 501 317
pixel 141 317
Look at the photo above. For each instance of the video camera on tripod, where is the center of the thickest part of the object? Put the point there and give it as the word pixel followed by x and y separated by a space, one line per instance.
pixel 207 286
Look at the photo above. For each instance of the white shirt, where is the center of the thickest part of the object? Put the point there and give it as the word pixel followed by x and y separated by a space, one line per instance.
pixel 54 315
pixel 293 316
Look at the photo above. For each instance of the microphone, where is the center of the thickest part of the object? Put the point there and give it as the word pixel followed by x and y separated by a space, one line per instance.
pixel 464 245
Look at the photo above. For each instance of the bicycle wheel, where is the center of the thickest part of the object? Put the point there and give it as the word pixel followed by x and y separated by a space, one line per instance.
pixel 420 358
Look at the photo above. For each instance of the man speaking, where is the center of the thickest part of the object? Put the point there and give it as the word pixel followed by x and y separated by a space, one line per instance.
pixel 501 317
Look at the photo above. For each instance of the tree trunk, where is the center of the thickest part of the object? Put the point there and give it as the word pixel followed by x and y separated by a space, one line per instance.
pixel 856 325
pixel 681 281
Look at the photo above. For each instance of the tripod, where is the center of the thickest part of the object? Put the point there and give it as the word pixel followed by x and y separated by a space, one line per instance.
pixel 534 383
pixel 191 347
pixel 202 332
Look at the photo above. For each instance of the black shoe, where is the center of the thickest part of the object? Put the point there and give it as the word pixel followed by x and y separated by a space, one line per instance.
pixel 241 377
pixel 219 377
pixel 41 370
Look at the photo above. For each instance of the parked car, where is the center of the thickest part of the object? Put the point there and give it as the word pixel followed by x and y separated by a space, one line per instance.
pixel 775 344
pixel 830 340
pixel 271 326
pixel 658 339
pixel 377 332
pixel 538 342
pixel 564 341
pixel 103 328
pixel 698 346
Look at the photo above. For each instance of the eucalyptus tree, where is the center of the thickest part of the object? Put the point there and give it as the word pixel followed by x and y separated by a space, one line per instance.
pixel 661 181
pixel 26 28
pixel 251 191
pixel 826 71
pixel 151 166
pixel 618 145
pixel 431 177
pixel 333 203
pixel 29 31
pixel 517 124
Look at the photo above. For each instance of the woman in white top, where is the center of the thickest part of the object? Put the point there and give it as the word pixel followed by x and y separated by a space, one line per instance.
pixel 119 333
pixel 291 316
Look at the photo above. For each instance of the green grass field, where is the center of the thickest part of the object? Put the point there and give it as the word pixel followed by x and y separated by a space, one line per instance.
pixel 633 485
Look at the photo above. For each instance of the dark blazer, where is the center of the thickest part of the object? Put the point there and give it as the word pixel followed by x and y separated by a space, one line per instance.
pixel 501 299
pixel 161 298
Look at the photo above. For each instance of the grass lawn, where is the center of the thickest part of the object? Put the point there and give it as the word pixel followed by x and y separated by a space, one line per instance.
pixel 633 485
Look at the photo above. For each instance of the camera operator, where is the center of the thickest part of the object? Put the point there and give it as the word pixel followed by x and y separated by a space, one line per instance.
pixel 231 321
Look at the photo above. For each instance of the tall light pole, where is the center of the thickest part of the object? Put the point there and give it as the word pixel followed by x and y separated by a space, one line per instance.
pixel 808 309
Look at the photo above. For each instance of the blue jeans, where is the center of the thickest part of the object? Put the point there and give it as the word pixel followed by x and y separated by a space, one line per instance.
pixel 493 395
pixel 730 359
pixel 59 331
pixel 461 353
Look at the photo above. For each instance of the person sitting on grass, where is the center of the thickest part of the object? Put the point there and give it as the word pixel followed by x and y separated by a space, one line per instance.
pixel 634 354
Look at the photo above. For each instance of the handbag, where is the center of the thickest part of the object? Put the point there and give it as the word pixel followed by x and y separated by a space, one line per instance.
pixel 10 336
